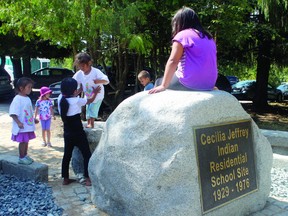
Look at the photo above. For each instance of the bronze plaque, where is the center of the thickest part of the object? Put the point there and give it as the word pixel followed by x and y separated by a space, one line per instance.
pixel 225 155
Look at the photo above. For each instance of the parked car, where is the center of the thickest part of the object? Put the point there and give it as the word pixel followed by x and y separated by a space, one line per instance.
pixel 56 91
pixel 245 90
pixel 6 88
pixel 284 89
pixel 9 69
pixel 47 76
pixel 232 79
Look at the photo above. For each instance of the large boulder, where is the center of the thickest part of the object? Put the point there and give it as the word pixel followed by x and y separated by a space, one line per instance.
pixel 158 156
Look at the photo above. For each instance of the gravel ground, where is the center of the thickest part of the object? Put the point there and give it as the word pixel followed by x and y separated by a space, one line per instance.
pixel 279 186
pixel 25 197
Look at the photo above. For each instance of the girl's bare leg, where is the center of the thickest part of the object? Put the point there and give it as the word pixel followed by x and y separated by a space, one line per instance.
pixel 44 135
pixel 92 122
pixel 26 148
pixel 48 136
pixel 23 148
pixel 88 123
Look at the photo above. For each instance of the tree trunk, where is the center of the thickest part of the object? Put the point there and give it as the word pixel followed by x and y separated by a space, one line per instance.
pixel 17 68
pixel 119 74
pixel 27 66
pixel 3 61
pixel 138 69
pixel 263 67
pixel 2 66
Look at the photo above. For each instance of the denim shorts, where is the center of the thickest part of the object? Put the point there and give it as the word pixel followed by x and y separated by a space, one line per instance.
pixel 92 109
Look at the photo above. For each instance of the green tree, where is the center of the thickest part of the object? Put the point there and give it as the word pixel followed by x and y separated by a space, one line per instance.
pixel 271 27
pixel 20 22
pixel 129 35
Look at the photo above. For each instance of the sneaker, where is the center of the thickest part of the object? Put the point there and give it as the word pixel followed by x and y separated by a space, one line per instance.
pixel 49 144
pixel 44 144
pixel 24 161
pixel 80 178
pixel 29 158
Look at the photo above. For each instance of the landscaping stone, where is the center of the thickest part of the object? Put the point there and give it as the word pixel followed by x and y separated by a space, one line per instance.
pixel 93 136
pixel 35 171
pixel 146 162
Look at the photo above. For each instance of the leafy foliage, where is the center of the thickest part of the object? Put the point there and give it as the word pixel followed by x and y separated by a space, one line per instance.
pixel 125 36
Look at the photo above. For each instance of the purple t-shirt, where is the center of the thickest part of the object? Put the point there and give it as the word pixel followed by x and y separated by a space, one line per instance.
pixel 197 68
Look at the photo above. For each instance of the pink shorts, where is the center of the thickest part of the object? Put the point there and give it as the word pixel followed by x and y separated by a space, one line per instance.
pixel 23 137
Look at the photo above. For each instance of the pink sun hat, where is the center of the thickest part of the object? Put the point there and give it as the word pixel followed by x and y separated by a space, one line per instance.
pixel 44 90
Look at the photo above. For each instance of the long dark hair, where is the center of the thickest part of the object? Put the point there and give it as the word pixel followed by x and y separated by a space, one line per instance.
pixel 186 18
pixel 68 87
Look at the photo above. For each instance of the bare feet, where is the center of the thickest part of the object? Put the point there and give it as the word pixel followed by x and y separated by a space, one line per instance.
pixel 88 182
pixel 88 126
pixel 67 181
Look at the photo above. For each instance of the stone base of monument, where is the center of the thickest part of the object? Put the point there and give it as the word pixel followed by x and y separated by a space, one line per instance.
pixel 278 140
pixel 181 153
pixel 93 136
pixel 35 171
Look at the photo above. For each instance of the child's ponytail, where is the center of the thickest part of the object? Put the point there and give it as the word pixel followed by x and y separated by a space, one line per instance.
pixel 68 88
pixel 64 106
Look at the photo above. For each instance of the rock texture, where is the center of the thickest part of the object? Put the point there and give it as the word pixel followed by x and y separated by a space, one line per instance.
pixel 35 171
pixel 93 136
pixel 146 161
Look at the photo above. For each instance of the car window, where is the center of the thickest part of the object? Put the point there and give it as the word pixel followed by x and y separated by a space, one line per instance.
pixel 58 86
pixel 42 73
pixel 250 84
pixel 243 84
pixel 281 87
pixel 56 72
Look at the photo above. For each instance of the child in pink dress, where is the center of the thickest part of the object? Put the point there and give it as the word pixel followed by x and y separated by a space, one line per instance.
pixel 23 125
pixel 44 106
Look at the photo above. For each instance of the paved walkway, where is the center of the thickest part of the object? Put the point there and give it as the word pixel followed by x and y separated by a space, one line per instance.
pixel 75 198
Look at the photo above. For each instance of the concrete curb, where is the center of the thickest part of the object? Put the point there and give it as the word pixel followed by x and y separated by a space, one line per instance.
pixel 35 171
pixel 276 138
